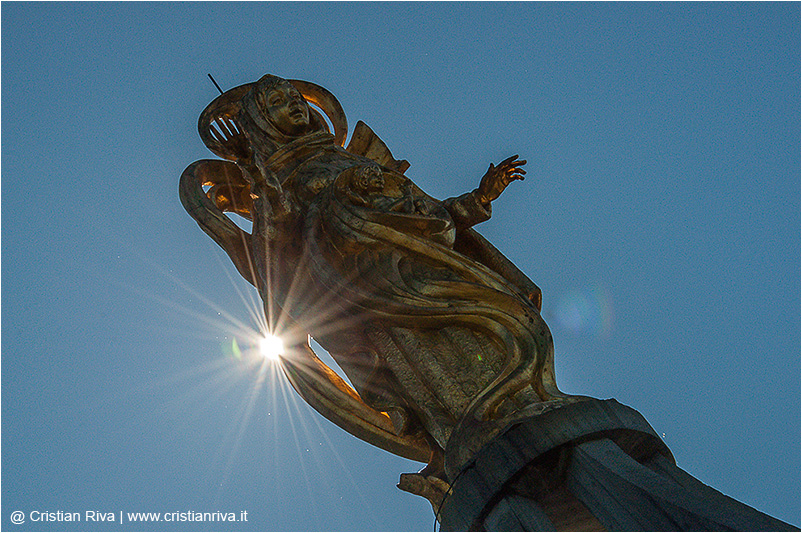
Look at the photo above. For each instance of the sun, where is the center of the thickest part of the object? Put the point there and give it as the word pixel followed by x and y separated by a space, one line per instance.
pixel 271 347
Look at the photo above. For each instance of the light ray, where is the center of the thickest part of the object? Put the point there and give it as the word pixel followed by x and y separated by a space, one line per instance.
pixel 242 421
pixel 301 460
pixel 251 303
pixel 355 488
pixel 204 385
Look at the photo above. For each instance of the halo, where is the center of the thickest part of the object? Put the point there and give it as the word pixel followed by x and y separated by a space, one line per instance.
pixel 228 105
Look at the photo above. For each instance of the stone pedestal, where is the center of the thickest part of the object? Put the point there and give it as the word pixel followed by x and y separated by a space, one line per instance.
pixel 589 466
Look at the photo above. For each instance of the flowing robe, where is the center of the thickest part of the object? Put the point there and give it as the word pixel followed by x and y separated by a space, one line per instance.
pixel 428 321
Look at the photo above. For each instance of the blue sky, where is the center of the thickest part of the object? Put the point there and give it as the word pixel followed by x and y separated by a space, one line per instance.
pixel 660 216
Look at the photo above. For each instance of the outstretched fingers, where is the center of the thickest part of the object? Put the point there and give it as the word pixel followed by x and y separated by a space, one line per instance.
pixel 512 165
pixel 512 169
pixel 509 160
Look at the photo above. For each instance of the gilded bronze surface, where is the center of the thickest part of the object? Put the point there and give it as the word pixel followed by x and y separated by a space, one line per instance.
pixel 439 333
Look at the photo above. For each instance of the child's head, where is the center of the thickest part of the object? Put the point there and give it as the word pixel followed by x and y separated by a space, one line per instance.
pixel 369 179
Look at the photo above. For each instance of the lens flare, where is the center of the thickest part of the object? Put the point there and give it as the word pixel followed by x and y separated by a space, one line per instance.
pixel 586 310
pixel 271 347
pixel 235 349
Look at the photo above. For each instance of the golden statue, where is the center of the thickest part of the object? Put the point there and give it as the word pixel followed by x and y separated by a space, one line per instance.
pixel 439 333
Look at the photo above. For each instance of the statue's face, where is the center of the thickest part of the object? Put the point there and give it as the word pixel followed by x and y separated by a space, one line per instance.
pixel 287 109
pixel 372 179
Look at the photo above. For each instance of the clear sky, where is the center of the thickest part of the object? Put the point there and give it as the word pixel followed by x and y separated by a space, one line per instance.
pixel 660 216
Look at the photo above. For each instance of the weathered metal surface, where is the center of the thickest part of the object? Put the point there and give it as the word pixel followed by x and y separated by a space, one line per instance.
pixel 589 466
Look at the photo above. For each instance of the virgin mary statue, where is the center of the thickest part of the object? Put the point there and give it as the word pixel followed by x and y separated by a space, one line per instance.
pixel 439 333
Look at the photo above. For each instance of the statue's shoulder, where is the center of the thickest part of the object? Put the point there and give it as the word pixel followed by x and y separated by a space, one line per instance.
pixel 366 143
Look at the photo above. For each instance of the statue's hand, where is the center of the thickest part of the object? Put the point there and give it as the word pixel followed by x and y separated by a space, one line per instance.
pixel 498 177
pixel 226 132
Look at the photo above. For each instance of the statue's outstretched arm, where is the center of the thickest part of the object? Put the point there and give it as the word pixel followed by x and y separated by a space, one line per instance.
pixel 498 177
pixel 474 207
pixel 332 397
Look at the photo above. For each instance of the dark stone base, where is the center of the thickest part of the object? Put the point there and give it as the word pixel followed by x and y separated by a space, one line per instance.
pixel 589 466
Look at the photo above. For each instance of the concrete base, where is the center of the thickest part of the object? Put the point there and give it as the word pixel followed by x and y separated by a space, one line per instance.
pixel 589 466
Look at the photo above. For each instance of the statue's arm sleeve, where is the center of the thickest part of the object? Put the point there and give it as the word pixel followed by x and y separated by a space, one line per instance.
pixel 467 210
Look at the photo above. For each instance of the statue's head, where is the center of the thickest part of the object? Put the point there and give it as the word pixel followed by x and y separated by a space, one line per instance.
pixel 271 112
pixel 279 111
pixel 370 179
pixel 282 105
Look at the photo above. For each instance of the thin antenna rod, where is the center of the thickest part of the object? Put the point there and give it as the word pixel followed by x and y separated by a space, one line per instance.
pixel 215 83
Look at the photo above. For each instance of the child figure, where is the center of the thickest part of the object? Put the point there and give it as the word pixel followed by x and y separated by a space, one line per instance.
pixel 366 186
